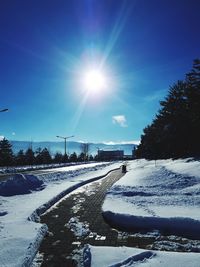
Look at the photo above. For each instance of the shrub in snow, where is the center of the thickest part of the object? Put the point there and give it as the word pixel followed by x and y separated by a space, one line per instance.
pixel 20 184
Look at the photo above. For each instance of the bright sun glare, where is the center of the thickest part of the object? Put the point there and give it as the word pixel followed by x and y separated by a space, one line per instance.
pixel 94 81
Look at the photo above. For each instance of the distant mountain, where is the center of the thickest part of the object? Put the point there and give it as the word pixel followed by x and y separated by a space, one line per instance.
pixel 72 146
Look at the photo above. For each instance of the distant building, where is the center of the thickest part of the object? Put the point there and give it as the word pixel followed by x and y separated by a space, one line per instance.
pixel 110 155
pixel 128 157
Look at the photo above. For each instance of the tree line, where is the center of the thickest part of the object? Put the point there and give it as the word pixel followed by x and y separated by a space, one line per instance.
pixel 40 156
pixel 175 130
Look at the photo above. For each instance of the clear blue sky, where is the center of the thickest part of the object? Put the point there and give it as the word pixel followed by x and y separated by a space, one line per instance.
pixel 144 47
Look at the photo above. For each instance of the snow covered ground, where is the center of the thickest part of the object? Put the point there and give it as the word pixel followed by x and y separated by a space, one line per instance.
pixel 131 257
pixel 20 236
pixel 16 169
pixel 164 196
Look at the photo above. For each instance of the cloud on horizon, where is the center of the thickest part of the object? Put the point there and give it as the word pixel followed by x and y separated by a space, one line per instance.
pixel 134 142
pixel 120 120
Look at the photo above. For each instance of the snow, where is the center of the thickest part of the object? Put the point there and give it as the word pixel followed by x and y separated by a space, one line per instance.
pixel 127 257
pixel 78 228
pixel 163 196
pixel 15 169
pixel 20 184
pixel 154 196
pixel 20 235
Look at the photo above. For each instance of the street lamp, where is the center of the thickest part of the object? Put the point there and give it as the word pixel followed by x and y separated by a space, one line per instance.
pixel 65 138
pixel 4 110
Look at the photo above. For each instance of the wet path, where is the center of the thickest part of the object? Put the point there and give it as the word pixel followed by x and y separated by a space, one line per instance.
pixel 77 220
pixel 84 205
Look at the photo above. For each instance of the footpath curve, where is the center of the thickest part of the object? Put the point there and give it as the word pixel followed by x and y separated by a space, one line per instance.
pixel 77 220
pixel 84 205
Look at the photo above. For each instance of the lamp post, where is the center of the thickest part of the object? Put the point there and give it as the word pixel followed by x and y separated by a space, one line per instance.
pixel 65 138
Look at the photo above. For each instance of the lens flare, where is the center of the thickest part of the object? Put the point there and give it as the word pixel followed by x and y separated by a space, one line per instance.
pixel 94 81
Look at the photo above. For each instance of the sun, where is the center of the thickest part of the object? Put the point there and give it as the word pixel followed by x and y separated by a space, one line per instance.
pixel 94 81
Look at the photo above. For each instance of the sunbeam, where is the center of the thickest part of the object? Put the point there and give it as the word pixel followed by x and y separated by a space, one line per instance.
pixel 117 29
pixel 79 112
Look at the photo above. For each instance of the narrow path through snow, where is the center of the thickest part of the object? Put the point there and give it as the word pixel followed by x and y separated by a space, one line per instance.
pixel 77 220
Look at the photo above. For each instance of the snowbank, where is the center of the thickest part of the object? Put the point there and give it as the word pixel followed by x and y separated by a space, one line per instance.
pixel 180 226
pixel 165 196
pixel 127 257
pixel 20 184
pixel 17 169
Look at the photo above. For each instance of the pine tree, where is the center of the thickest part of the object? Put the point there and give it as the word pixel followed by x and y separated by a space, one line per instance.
pixel 6 153
pixel 73 157
pixel 58 158
pixel 45 156
pixel 65 158
pixel 193 96
pixel 20 158
pixel 91 158
pixel 38 156
pixel 81 157
pixel 30 157
pixel 175 130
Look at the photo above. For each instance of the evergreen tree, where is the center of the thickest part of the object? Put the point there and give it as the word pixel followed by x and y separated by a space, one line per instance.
pixel 46 157
pixel 43 156
pixel 73 157
pixel 38 156
pixel 193 96
pixel 91 158
pixel 58 158
pixel 20 158
pixel 175 130
pixel 81 157
pixel 6 153
pixel 65 158
pixel 30 157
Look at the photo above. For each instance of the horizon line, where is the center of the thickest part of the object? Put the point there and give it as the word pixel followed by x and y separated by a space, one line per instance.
pixel 108 143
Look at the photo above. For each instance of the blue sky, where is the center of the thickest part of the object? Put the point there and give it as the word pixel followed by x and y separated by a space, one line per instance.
pixel 142 46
